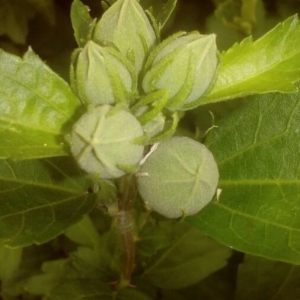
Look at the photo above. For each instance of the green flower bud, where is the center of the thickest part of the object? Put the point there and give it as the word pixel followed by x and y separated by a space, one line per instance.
pixel 154 126
pixel 105 142
pixel 101 75
pixel 178 178
pixel 185 66
pixel 126 25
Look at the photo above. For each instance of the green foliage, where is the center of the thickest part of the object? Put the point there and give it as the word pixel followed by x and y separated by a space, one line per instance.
pixel 269 279
pixel 36 107
pixel 267 65
pixel 80 170
pixel 81 22
pixel 55 187
pixel 185 262
pixel 256 149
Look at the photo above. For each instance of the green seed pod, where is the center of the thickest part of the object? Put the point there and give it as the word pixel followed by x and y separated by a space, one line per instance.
pixel 105 142
pixel 178 178
pixel 126 25
pixel 101 75
pixel 185 66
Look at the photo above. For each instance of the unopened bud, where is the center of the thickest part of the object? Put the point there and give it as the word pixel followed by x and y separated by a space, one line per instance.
pixel 185 66
pixel 101 75
pixel 126 25
pixel 105 141
pixel 178 178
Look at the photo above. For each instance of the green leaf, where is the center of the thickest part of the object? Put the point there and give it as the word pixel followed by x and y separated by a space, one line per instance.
pixel 153 237
pixel 269 64
pixel 90 289
pixel 257 152
pixel 83 233
pixel 40 199
pixel 190 258
pixel 80 290
pixel 13 23
pixel 269 280
pixel 10 260
pixel 132 294
pixel 81 22
pixel 46 8
pixel 165 12
pixel 101 261
pixel 54 272
pixel 36 107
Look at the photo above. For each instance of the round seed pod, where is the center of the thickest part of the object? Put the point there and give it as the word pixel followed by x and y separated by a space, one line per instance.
pixel 104 141
pixel 178 178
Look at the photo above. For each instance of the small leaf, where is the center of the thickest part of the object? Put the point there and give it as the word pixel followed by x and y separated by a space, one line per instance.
pixel 165 13
pixel 153 237
pixel 190 258
pixel 84 289
pixel 269 280
pixel 54 272
pixel 81 22
pixel 35 108
pixel 40 199
pixel 257 152
pixel 269 64
pixel 100 261
pixel 83 233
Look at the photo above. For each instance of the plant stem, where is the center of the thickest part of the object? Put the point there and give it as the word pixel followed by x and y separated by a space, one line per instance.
pixel 125 224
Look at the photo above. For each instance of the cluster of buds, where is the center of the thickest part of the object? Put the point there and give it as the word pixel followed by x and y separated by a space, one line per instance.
pixel 134 86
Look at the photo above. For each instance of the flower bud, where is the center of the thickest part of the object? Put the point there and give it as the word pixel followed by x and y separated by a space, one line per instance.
pixel 105 141
pixel 178 178
pixel 154 126
pixel 126 25
pixel 185 66
pixel 102 76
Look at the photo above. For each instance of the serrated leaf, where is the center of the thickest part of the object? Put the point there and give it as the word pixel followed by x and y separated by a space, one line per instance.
pixel 103 260
pixel 270 64
pixel 81 22
pixel 269 280
pixel 190 258
pixel 32 258
pixel 53 273
pixel 40 199
pixel 257 152
pixel 36 107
